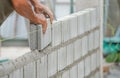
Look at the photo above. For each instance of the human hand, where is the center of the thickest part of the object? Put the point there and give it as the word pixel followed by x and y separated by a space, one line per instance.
pixel 43 12
pixel 36 16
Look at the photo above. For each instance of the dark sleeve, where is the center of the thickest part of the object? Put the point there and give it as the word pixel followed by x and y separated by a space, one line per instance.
pixel 5 9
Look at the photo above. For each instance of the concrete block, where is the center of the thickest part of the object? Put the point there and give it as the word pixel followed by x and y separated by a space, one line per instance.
pixel 5 77
pixel 56 33
pixel 66 74
pixel 93 18
pixel 36 55
pixel 19 62
pixel 90 41
pixel 81 70
pixel 42 68
pixel 87 66
pixel 58 76
pixel 65 22
pixel 8 67
pixel 93 62
pixel 33 37
pixel 62 58
pixel 81 23
pixel 2 71
pixel 52 63
pixel 70 54
pixel 96 39
pixel 77 49
pixel 44 39
pixel 73 26
pixel 28 58
pixel 30 70
pixel 38 40
pixel 84 46
pixel 17 74
pixel 98 58
pixel 87 21
pixel 98 16
pixel 74 72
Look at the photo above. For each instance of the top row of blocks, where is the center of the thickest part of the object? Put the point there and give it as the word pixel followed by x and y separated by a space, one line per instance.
pixel 63 29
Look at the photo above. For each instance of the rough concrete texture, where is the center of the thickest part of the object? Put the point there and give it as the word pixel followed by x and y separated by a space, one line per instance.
pixel 56 33
pixel 69 55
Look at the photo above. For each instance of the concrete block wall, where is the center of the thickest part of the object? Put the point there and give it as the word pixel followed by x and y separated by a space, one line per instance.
pixel 69 49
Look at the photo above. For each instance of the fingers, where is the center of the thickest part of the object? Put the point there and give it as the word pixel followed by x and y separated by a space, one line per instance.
pixel 49 13
pixel 37 10
pixel 40 8
pixel 43 22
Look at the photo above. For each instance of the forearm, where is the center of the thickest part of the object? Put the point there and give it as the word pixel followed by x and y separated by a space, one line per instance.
pixel 24 8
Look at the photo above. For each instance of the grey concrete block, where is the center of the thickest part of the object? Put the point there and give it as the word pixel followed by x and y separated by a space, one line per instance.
pixel 28 58
pixel 33 37
pixel 87 66
pixel 93 62
pixel 87 20
pixel 84 46
pixel 74 72
pixel 96 39
pixel 36 55
pixel 2 71
pixel 30 70
pixel 90 41
pixel 81 23
pixel 58 76
pixel 66 74
pixel 93 17
pixel 73 26
pixel 56 33
pixel 17 74
pixel 8 67
pixel 70 54
pixel 81 70
pixel 42 68
pixel 98 16
pixel 65 22
pixel 52 63
pixel 98 58
pixel 62 58
pixel 19 62
pixel 38 40
pixel 77 49
pixel 44 39
pixel 5 77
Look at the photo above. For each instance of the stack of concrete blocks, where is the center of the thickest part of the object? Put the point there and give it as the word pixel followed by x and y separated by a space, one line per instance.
pixel 70 48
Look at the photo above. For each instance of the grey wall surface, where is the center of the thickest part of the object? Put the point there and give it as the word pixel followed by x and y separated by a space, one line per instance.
pixel 69 49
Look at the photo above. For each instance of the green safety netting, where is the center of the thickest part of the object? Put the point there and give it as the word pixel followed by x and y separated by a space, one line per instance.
pixel 111 45
pixel 111 48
